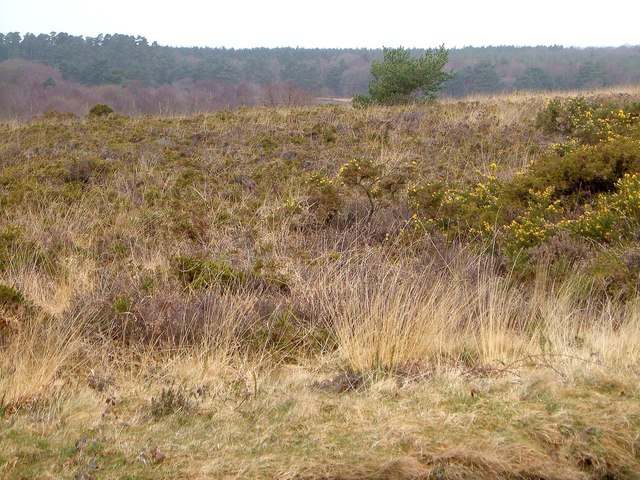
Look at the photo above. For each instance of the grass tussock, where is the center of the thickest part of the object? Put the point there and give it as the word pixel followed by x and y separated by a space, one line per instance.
pixel 313 293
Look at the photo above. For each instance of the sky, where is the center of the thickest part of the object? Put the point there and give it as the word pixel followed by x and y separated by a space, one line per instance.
pixel 335 24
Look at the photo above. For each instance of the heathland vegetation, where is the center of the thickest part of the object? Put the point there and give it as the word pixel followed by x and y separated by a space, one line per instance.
pixel 446 290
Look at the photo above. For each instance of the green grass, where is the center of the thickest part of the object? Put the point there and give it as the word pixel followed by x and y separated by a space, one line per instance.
pixel 430 426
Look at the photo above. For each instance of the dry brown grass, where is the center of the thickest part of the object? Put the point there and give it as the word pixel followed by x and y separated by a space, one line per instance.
pixel 431 375
pixel 374 357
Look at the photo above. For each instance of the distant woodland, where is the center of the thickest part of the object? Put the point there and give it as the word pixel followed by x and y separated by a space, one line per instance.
pixel 68 73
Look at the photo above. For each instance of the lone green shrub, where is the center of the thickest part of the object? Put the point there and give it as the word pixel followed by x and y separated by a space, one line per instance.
pixel 400 78
pixel 100 110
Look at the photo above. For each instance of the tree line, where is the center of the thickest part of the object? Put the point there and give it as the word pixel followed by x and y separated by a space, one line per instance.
pixel 117 59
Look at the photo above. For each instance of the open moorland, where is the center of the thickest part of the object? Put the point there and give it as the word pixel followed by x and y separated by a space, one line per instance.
pixel 446 291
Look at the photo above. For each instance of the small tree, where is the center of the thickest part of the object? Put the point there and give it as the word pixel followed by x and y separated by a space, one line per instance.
pixel 400 78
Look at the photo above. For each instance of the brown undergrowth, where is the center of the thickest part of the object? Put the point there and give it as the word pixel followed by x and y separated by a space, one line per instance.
pixel 176 304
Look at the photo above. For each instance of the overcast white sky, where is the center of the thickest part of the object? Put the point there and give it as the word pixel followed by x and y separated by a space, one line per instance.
pixel 333 23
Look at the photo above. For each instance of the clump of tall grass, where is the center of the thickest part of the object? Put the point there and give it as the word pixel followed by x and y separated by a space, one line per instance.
pixel 386 317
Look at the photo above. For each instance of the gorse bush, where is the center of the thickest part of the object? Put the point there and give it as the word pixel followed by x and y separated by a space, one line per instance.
pixel 463 210
pixel 535 224
pixel 324 197
pixel 375 181
pixel 583 171
pixel 588 122
pixel 601 146
pixel 614 216
pixel 587 187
